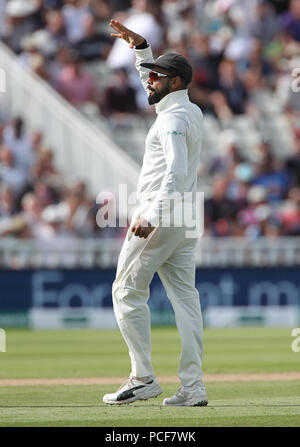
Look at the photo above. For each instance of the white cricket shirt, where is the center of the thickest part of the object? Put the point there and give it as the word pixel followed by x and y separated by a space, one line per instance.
pixel 172 148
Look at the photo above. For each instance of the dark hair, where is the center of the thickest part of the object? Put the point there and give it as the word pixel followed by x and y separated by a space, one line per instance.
pixel 184 83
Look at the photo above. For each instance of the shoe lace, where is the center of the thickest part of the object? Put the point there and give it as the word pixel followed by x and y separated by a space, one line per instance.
pixel 127 382
pixel 180 392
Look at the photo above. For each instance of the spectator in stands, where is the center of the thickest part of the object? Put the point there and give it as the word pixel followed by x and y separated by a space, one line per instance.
pixel 181 18
pixel 44 170
pixel 12 226
pixel 36 141
pixel 290 213
pixel 239 182
pixel 56 29
pixel 255 212
pixel 264 25
pixel 293 162
pixel 74 13
pixel 75 83
pixel 71 216
pixel 45 194
pixel 255 70
pixel 61 59
pixel 35 50
pixel 10 173
pixel 121 5
pixel 31 215
pixel 53 218
pixel 290 20
pixel 205 64
pixel 7 201
pixel 78 217
pixel 20 21
pixel 272 176
pixel 235 40
pixel 94 45
pixel 231 96
pixel 39 66
pixel 119 97
pixel 16 138
pixel 219 211
pixel 53 4
pixel 271 227
pixel 28 50
pixel 226 159
pixel 102 9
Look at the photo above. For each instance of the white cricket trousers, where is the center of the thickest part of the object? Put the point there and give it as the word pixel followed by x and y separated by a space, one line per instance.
pixel 167 252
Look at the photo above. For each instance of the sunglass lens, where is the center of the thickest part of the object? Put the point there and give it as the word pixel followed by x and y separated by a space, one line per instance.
pixel 153 76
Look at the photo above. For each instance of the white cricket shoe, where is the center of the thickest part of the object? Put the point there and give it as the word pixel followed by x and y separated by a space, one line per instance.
pixel 134 389
pixel 188 396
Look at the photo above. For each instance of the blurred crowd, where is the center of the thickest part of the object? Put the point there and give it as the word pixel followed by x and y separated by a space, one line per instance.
pixel 255 199
pixel 247 199
pixel 235 46
pixel 35 199
pixel 238 48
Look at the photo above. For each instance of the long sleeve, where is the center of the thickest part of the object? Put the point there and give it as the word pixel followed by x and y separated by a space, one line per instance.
pixel 172 132
pixel 144 55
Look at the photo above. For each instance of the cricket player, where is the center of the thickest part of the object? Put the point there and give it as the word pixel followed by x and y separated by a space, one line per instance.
pixel 152 245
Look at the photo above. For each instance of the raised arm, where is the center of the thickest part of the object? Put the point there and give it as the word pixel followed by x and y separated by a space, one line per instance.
pixel 135 41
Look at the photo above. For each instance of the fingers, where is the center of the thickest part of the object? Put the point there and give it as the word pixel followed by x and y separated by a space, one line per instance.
pixel 123 32
pixel 139 231
pixel 113 24
pixel 116 35
pixel 117 26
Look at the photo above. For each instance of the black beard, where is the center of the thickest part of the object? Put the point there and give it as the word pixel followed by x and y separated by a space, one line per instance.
pixel 157 96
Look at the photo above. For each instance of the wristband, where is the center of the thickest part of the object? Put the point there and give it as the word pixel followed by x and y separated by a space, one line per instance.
pixel 142 46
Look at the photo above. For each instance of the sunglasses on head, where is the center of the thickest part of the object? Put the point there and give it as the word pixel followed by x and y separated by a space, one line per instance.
pixel 154 76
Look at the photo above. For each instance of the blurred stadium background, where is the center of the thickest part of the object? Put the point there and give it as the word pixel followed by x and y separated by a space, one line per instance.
pixel 73 120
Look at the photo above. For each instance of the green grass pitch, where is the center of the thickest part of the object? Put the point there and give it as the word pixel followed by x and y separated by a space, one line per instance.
pixel 90 353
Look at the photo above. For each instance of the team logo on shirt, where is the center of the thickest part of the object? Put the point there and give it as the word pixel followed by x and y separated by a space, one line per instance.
pixel 175 132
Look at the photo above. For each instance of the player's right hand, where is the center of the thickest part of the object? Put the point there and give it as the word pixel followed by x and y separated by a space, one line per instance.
pixel 129 36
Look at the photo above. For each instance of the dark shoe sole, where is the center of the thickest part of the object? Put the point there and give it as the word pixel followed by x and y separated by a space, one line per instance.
pixel 203 403
pixel 130 401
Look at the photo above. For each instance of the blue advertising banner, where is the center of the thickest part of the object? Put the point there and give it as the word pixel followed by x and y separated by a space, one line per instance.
pixel 20 290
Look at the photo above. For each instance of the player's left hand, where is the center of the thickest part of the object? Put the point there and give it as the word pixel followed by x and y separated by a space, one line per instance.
pixel 141 228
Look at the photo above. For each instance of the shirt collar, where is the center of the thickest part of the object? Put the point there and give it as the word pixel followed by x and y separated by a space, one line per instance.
pixel 170 99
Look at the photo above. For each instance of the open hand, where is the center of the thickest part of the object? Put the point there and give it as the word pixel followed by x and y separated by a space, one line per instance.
pixel 124 33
